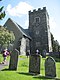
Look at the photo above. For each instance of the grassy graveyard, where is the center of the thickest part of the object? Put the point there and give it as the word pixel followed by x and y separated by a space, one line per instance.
pixel 22 72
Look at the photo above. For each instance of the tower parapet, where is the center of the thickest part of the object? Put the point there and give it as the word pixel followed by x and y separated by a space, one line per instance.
pixel 39 10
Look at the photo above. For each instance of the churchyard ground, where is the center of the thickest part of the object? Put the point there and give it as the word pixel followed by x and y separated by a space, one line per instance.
pixel 22 72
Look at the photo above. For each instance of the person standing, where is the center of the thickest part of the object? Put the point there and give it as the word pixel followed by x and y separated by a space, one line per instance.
pixel 5 54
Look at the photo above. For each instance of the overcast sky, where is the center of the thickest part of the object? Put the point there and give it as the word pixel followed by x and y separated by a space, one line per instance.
pixel 17 10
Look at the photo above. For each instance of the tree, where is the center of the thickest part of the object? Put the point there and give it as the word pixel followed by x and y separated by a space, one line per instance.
pixel 55 44
pixel 6 36
pixel 2 13
pixel 52 40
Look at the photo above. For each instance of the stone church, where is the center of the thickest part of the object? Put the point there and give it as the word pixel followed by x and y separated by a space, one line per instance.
pixel 37 36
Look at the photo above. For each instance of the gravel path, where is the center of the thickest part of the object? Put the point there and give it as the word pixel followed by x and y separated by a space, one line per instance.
pixel 3 65
pixel 7 64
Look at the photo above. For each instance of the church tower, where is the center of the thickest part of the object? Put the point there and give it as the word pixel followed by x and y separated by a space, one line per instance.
pixel 40 30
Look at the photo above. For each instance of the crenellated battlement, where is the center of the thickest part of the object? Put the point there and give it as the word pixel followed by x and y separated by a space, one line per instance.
pixel 39 10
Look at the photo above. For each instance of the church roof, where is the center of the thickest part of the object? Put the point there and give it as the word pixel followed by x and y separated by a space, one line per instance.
pixel 25 32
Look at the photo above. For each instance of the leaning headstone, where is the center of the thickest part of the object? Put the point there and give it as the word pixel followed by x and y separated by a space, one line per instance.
pixel 13 60
pixel 50 67
pixel 34 64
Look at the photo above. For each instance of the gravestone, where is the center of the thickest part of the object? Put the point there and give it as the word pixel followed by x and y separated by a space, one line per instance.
pixel 13 60
pixel 50 67
pixel 34 64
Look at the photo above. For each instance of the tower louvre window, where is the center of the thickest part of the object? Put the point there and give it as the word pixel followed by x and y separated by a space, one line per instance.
pixel 37 19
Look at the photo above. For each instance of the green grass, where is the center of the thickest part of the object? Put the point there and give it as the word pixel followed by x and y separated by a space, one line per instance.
pixel 58 69
pixel 23 69
pixel 1 58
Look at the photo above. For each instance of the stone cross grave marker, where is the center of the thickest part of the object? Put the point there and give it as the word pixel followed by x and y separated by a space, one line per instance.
pixel 13 60
pixel 50 67
pixel 34 64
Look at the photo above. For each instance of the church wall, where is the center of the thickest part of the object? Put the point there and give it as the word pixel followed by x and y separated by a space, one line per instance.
pixel 21 42
pixel 23 46
pixel 12 27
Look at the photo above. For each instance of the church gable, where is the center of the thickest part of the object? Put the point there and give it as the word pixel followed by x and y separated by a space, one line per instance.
pixel 17 29
pixel 20 34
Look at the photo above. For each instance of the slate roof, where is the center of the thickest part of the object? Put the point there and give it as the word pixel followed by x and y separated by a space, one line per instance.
pixel 25 32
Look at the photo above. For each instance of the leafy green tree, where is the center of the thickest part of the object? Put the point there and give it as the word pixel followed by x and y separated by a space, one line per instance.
pixel 52 40
pixel 55 44
pixel 6 36
pixel 2 13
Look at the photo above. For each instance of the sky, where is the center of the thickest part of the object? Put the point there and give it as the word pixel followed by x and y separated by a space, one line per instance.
pixel 17 10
